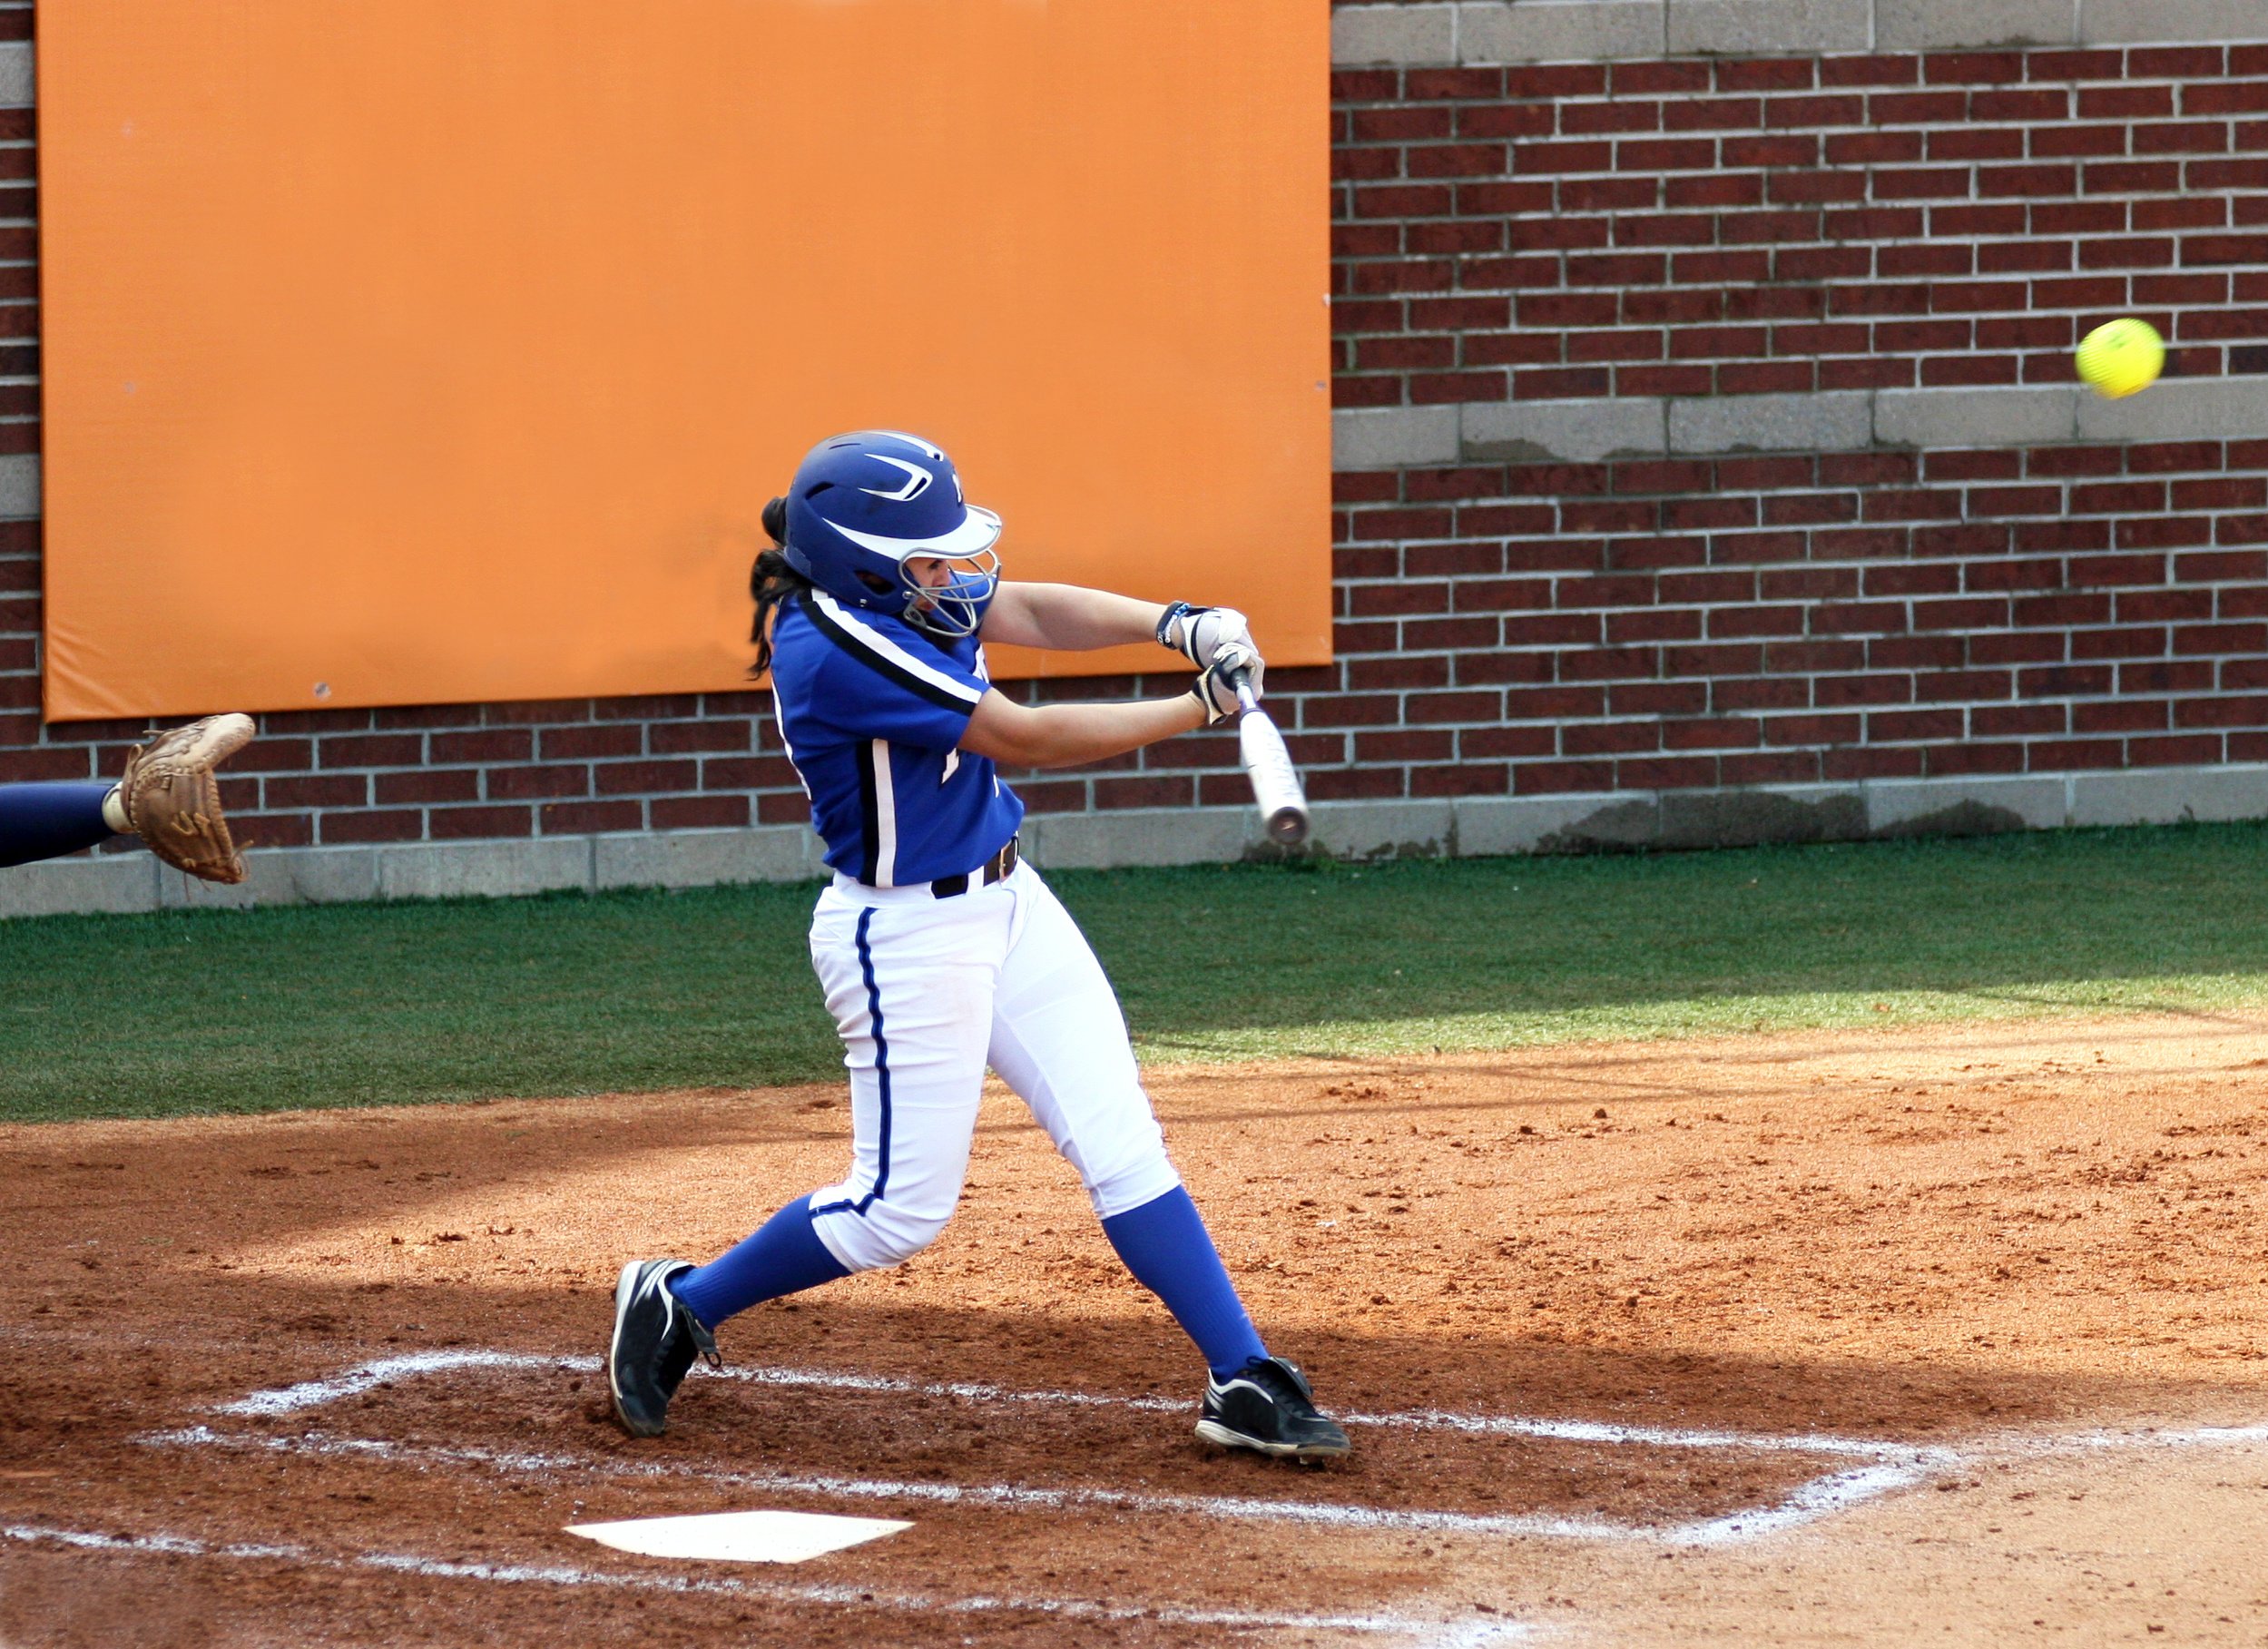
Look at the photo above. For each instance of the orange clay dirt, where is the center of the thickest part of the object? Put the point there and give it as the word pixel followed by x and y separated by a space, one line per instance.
pixel 1982 1290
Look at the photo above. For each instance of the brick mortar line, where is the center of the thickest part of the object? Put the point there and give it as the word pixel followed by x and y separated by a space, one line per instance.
pixel 2120 79
pixel 1556 574
pixel 1910 674
pixel 1400 695
pixel 1909 678
pixel 1742 131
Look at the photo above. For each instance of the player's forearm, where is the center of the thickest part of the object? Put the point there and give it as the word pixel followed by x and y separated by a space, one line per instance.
pixel 1065 735
pixel 1068 618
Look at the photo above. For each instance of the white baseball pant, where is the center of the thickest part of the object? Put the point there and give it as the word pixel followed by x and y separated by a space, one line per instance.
pixel 928 992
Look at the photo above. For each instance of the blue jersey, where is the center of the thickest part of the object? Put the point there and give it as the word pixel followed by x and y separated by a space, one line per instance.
pixel 872 710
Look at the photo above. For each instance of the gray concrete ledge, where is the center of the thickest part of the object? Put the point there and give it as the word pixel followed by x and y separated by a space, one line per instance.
pixel 1485 33
pixel 1479 827
pixel 1833 420
pixel 80 886
pixel 1584 431
pixel 19 486
pixel 419 870
pixel 1977 418
pixel 1906 25
pixel 2195 409
pixel 1466 828
pixel 702 859
pixel 1774 28
pixel 16 80
pixel 2181 22
pixel 1394 437
pixel 1393 33
pixel 1841 420
pixel 1546 31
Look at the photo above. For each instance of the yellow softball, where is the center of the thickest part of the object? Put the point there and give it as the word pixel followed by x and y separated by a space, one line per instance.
pixel 2122 358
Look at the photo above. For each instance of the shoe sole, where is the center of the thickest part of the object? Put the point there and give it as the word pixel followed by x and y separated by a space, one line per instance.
pixel 1215 1433
pixel 624 1287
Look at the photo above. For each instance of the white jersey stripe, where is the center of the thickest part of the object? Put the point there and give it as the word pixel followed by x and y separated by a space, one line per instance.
pixel 885 817
pixel 865 635
pixel 779 722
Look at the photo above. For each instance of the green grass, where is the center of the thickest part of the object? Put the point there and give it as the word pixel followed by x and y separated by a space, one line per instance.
pixel 354 1004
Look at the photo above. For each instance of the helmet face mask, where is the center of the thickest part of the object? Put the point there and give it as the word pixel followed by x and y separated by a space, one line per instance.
pixel 865 505
pixel 955 607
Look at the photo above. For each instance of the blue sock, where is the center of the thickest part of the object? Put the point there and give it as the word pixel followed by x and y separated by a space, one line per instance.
pixel 1165 1245
pixel 46 820
pixel 784 1257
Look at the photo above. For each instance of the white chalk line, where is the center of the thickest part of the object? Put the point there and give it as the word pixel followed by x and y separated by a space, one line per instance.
pixel 311 1394
pixel 1899 1467
pixel 1821 1496
pixel 1006 1495
pixel 787 1592
pixel 1809 1502
pixel 354 1382
pixel 2148 1437
pixel 314 1393
pixel 1478 1635
pixel 1895 1465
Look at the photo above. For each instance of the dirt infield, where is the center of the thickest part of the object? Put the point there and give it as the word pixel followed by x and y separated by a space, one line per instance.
pixel 1952 1336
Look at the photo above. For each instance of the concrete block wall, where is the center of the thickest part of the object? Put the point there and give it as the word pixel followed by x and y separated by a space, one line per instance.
pixel 1709 469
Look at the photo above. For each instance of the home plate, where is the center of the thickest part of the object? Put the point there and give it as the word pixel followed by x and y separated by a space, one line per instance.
pixel 739 1536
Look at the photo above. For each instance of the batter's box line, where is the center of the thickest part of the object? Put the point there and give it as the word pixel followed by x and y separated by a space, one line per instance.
pixel 1439 1634
pixel 1890 1466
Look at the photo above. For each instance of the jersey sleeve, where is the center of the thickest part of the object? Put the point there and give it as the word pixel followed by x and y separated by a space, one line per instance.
pixel 879 685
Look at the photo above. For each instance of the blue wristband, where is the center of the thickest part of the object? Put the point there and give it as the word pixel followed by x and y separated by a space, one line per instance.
pixel 1165 620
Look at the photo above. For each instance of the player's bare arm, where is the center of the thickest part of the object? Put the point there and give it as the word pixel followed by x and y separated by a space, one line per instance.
pixel 1072 618
pixel 1068 618
pixel 1065 735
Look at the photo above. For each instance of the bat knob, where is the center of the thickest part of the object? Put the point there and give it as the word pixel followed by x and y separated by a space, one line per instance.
pixel 1287 827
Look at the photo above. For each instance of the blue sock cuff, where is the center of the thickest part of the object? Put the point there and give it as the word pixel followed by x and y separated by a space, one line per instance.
pixel 784 1256
pixel 1165 1245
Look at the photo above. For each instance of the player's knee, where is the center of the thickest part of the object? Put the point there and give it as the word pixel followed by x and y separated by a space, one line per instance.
pixel 890 1236
pixel 1138 1178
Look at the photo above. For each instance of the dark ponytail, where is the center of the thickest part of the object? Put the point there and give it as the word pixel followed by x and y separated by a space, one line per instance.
pixel 770 582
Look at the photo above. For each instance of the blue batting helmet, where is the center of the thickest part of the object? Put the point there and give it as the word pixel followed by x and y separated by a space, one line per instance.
pixel 863 504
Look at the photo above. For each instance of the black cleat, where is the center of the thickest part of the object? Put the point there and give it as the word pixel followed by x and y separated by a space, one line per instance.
pixel 1267 1405
pixel 655 1341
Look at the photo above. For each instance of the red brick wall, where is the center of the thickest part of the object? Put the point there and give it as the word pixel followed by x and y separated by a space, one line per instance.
pixel 1799 618
pixel 1729 227
pixel 1691 228
pixel 1663 228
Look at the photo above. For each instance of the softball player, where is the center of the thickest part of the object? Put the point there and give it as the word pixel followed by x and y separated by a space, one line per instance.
pixel 938 952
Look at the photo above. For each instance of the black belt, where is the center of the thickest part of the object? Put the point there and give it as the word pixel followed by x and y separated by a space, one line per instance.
pixel 990 872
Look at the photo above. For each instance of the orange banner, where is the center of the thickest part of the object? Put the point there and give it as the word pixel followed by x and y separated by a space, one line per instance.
pixel 407 351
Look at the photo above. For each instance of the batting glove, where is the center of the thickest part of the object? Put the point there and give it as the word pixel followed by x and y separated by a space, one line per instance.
pixel 1216 691
pixel 1196 633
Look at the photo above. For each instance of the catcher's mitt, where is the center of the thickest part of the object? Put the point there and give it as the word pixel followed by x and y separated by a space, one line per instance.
pixel 172 801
